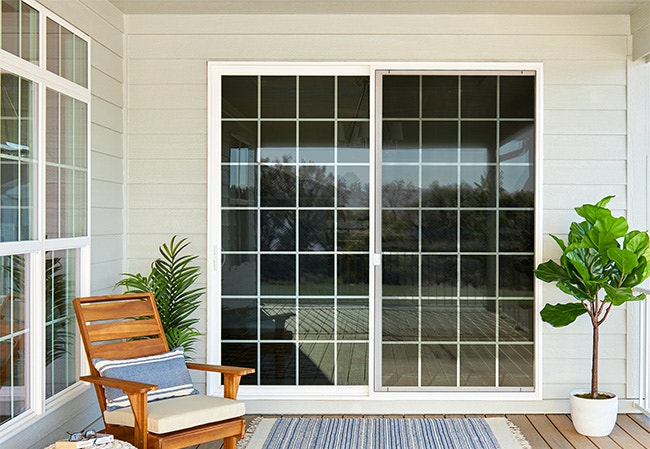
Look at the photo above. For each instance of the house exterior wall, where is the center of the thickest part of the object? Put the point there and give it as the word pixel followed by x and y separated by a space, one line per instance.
pixel 104 24
pixel 585 70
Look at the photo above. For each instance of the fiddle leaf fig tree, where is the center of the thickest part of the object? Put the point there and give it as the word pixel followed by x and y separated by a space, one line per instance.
pixel 602 261
pixel 171 281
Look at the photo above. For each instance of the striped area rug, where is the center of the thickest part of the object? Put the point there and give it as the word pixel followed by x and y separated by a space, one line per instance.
pixel 383 433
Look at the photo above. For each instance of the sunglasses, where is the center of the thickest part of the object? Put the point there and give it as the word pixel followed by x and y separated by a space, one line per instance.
pixel 82 436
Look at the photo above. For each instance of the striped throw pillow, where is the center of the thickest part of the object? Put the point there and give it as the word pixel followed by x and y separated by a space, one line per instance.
pixel 167 370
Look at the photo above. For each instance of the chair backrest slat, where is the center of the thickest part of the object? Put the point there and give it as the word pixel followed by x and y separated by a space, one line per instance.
pixel 119 327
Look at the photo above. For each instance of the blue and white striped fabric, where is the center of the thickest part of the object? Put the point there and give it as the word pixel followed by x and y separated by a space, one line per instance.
pixel 167 370
pixel 381 433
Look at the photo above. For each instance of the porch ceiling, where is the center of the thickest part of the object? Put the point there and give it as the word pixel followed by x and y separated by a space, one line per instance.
pixel 377 6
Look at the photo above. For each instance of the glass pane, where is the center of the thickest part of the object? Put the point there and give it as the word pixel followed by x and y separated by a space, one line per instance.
pixel 278 319
pixel 316 142
pixel 239 97
pixel 516 275
pixel 440 186
pixel 399 365
pixel 353 97
pixel 517 96
pixel 278 96
pixel 316 96
pixel 478 142
pixel 239 142
pixel 478 230
pixel 353 274
pixel 20 30
pixel 478 186
pixel 401 96
pixel 516 365
pixel 241 354
pixel 400 186
pixel 316 318
pixel 439 276
pixel 316 186
pixel 439 320
pixel 439 230
pixel 400 275
pixel 352 364
pixel 400 230
pixel 278 274
pixel 439 141
pixel 517 186
pixel 353 188
pixel 516 320
pixel 52 46
pixel 278 142
pixel 516 230
pixel 52 123
pixel 239 185
pixel 67 54
pixel 17 158
pixel 478 320
pixel 278 364
pixel 239 319
pixel 400 318
pixel 278 230
pixel 352 319
pixel 352 232
pixel 278 185
pixel 238 274
pixel 60 285
pixel 14 336
pixel 239 230
pixel 316 364
pixel 401 141
pixel 516 142
pixel 439 365
pixel 317 275
pixel 11 26
pixel 353 141
pixel 316 230
pixel 440 96
pixel 477 365
pixel 67 62
pixel 479 96
pixel 52 210
pixel 477 276
pixel 80 61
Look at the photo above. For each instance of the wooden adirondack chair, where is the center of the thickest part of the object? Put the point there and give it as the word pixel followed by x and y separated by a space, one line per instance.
pixel 128 326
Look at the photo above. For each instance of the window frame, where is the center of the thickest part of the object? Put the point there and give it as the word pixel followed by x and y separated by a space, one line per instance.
pixel 35 250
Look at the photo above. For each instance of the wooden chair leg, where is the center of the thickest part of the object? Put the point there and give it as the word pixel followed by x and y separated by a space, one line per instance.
pixel 230 443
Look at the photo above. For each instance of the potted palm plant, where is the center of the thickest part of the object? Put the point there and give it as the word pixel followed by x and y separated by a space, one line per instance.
pixel 171 280
pixel 602 261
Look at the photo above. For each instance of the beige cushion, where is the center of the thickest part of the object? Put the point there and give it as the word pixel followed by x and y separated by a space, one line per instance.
pixel 172 414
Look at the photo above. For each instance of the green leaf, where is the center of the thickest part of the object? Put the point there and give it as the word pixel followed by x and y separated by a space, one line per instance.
pixel 637 242
pixel 588 265
pixel 575 291
pixel 550 271
pixel 638 275
pixel 619 296
pixel 625 260
pixel 559 242
pixel 559 315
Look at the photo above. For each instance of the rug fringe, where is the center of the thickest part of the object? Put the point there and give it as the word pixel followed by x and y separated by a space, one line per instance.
pixel 250 429
pixel 519 435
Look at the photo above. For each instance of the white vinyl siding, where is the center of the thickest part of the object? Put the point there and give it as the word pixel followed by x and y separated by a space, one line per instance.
pixel 584 62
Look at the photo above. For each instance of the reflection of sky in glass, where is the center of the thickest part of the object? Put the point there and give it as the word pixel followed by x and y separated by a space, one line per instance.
pixel 441 175
pixel 517 178
pixel 396 173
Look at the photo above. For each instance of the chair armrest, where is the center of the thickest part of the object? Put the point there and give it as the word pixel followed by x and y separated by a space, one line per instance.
pixel 231 376
pixel 127 386
pixel 232 370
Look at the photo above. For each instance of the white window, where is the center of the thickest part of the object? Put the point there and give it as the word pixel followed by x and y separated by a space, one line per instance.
pixel 44 219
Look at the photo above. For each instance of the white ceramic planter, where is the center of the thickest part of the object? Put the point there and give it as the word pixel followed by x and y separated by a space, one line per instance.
pixel 593 417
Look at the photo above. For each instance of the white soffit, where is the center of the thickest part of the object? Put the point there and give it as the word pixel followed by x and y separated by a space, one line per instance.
pixel 377 6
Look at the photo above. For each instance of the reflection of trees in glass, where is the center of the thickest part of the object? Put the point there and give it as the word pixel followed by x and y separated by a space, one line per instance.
pixel 399 193
pixel 57 300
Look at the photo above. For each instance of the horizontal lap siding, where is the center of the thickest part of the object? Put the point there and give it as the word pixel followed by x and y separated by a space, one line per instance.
pixel 585 85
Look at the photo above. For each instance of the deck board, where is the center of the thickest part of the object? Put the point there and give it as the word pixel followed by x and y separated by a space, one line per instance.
pixel 555 431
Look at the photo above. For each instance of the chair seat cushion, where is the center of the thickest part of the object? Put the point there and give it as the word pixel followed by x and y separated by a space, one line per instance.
pixel 169 415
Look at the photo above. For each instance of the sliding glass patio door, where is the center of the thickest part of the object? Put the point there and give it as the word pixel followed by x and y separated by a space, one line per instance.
pixel 399 236
pixel 456 210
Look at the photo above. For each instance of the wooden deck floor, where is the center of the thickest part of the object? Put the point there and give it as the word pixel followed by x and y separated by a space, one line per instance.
pixel 556 432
